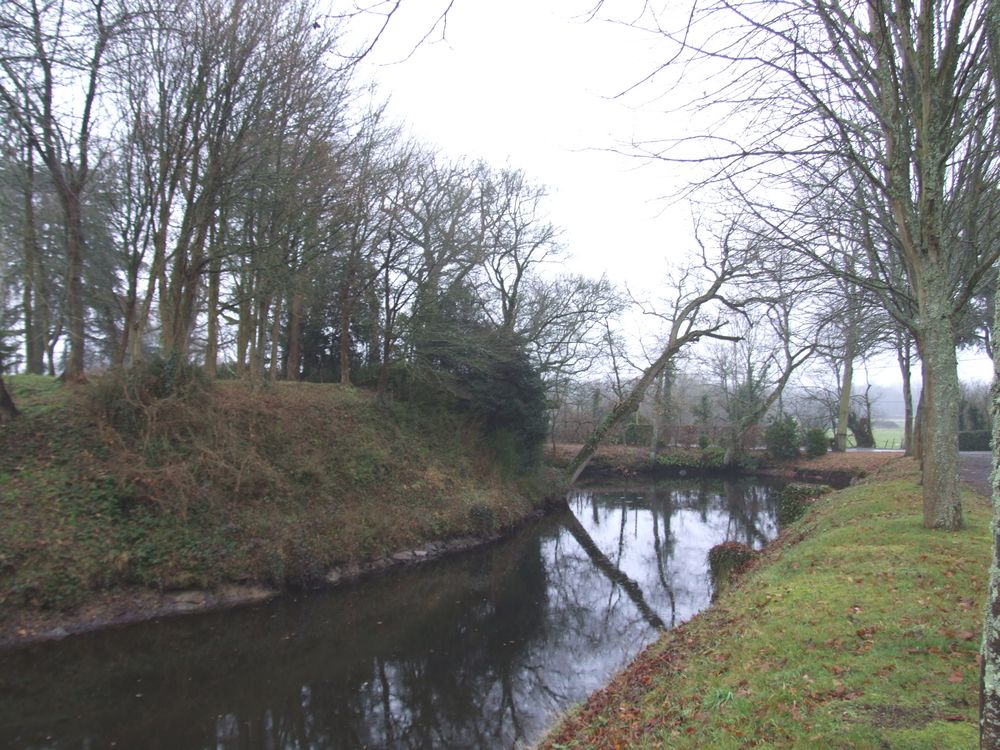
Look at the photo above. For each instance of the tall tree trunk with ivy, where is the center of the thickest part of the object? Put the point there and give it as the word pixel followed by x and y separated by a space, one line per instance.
pixel 989 685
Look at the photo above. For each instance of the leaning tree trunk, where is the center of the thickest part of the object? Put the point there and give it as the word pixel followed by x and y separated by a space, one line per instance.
pixel 622 411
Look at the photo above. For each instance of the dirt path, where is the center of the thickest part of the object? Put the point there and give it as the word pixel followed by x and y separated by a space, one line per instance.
pixel 975 468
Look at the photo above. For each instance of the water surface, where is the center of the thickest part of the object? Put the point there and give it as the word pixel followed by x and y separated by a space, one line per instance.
pixel 482 650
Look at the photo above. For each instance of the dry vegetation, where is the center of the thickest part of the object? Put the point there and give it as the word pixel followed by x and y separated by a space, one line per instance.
pixel 227 484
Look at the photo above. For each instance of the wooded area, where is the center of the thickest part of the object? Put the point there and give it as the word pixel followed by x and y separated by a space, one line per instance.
pixel 206 182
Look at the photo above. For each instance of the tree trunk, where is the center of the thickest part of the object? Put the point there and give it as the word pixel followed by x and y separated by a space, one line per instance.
pixel 989 685
pixel 74 285
pixel 256 367
pixel 345 348
pixel 844 402
pixel 904 371
pixel 345 328
pixel 989 682
pixel 939 424
pixel 656 419
pixel 382 388
pixel 275 338
pixel 293 352
pixel 7 409
pixel 212 344
pixel 34 337
pixel 245 325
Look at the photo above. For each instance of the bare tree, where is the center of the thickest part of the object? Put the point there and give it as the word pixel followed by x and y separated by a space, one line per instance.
pixel 690 321
pixel 53 60
pixel 891 105
pixel 516 239
pixel 754 370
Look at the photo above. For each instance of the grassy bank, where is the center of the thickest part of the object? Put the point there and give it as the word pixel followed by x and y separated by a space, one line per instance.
pixel 227 484
pixel 860 629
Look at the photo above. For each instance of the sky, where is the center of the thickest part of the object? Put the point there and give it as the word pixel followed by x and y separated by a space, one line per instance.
pixel 534 85
pixel 531 85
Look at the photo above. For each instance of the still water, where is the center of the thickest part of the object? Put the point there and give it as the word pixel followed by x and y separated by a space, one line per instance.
pixel 482 650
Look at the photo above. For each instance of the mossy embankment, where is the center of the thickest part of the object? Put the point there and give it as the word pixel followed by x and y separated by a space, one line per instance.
pixel 858 628
pixel 106 503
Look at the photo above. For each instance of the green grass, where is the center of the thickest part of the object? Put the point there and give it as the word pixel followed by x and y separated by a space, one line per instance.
pixel 864 634
pixel 887 437
pixel 890 438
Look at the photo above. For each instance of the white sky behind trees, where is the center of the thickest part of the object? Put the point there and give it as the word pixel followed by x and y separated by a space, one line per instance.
pixel 530 85
pixel 534 85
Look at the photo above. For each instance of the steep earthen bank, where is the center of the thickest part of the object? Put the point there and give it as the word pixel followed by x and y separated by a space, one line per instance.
pixel 132 605
pixel 115 511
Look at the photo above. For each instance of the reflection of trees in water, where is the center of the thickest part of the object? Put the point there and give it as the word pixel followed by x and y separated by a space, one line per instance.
pixel 475 651
pixel 620 581
pixel 675 524
pixel 662 550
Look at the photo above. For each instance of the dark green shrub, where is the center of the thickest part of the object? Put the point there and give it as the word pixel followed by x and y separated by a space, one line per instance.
pixel 704 442
pixel 466 366
pixel 782 438
pixel 482 518
pixel 638 434
pixel 729 557
pixel 974 440
pixel 817 442
pixel 727 560
pixel 795 498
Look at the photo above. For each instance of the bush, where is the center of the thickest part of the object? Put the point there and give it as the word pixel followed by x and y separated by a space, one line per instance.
pixel 782 438
pixel 727 560
pixel 132 399
pixel 638 434
pixel 974 440
pixel 795 498
pixel 817 442
pixel 487 375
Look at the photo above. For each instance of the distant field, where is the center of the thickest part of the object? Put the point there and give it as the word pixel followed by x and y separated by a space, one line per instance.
pixel 887 437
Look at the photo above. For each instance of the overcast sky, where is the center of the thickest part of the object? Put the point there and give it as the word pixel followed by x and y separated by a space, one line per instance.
pixel 533 85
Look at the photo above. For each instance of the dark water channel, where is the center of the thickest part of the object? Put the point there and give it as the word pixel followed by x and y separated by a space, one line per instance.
pixel 476 651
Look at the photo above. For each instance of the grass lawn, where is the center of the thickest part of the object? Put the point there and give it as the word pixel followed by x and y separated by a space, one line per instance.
pixel 861 629
pixel 891 438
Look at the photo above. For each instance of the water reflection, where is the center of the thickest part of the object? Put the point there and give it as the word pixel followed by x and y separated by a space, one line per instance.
pixel 477 651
